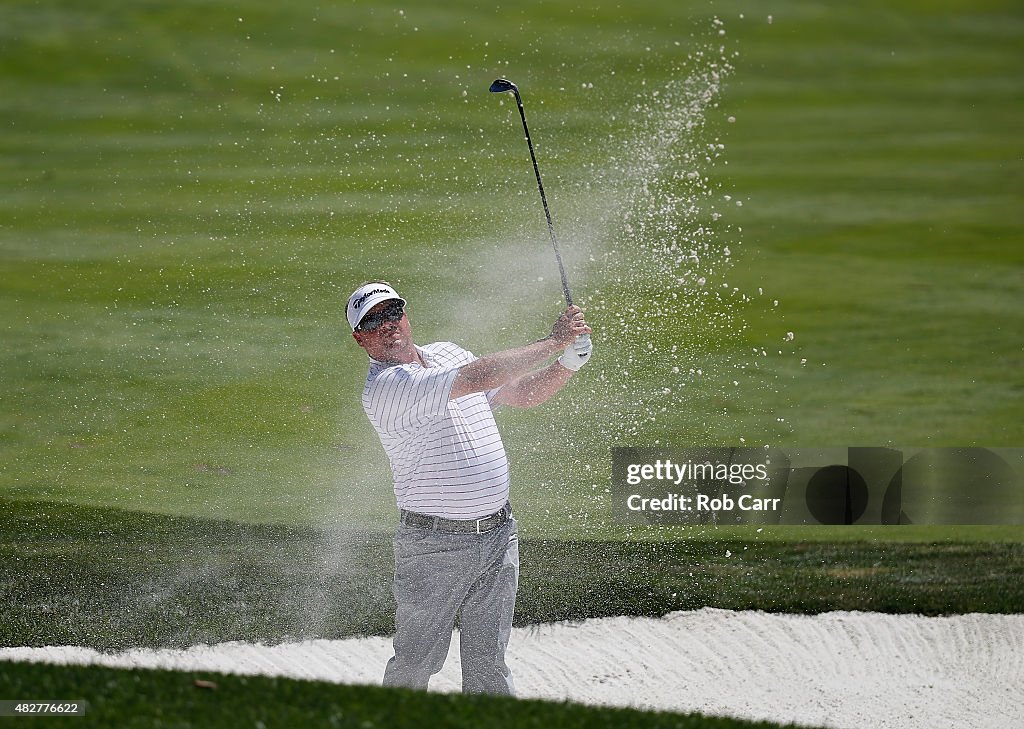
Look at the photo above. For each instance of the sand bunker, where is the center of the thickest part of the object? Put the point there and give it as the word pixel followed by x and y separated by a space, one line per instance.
pixel 837 669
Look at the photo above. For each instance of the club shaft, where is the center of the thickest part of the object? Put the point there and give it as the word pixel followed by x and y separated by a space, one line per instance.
pixel 544 201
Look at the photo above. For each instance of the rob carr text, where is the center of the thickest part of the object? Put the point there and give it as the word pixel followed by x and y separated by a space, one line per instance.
pixel 708 498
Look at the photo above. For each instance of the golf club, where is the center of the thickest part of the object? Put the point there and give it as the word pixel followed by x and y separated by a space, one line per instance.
pixel 502 85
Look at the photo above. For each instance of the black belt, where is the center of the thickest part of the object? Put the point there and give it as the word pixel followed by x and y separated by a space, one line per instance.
pixel 457 526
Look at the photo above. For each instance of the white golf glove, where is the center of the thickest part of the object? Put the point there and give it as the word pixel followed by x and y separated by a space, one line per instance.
pixel 577 354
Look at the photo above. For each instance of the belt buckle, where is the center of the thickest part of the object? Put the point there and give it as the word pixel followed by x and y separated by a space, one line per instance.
pixel 478 524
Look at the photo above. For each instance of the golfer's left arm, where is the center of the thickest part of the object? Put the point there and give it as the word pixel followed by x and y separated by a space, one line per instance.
pixel 541 385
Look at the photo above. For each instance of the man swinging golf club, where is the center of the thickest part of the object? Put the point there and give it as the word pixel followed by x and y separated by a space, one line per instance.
pixel 456 547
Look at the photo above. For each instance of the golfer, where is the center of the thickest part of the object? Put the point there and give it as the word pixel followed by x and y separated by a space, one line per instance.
pixel 456 548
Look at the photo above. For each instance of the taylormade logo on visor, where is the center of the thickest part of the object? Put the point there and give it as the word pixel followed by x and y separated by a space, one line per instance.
pixel 359 302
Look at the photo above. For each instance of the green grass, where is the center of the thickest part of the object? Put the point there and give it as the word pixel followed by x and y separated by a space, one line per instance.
pixel 884 194
pixel 150 698
pixel 192 190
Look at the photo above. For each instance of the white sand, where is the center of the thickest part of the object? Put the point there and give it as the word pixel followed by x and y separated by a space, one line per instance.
pixel 836 669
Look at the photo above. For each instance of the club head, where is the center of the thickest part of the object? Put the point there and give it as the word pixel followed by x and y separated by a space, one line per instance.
pixel 503 84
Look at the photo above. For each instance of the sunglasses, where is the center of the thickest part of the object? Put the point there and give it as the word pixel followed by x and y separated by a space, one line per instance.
pixel 371 321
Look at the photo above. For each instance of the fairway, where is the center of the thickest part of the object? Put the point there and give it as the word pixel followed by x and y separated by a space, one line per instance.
pixel 795 226
pixel 189 207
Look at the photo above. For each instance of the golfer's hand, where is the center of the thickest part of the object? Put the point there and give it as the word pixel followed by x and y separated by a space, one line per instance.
pixel 570 324
pixel 577 354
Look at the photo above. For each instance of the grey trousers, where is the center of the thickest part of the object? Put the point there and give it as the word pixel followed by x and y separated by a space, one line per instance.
pixel 439 577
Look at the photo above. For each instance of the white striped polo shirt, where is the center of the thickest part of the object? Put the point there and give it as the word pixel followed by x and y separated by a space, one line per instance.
pixel 447 458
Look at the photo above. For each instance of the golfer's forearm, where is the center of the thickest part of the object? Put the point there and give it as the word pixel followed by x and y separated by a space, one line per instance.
pixel 501 368
pixel 535 388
